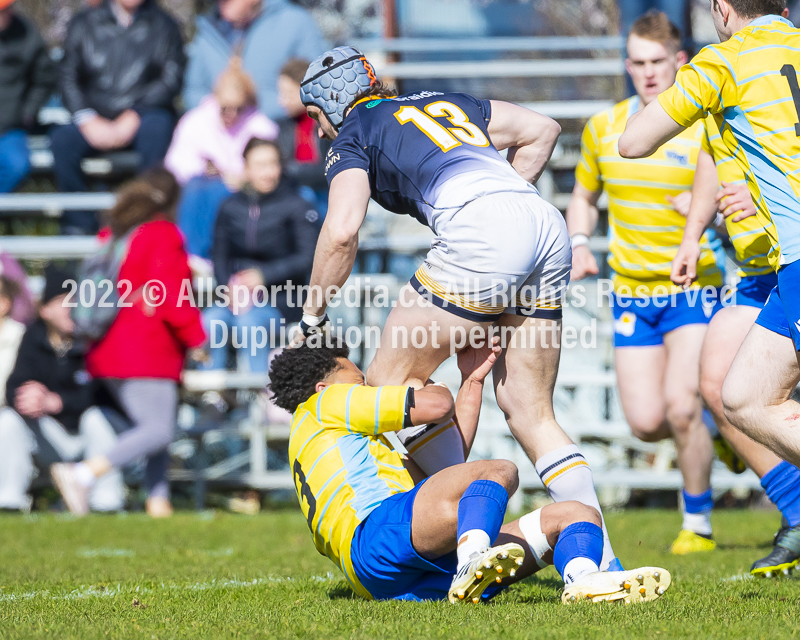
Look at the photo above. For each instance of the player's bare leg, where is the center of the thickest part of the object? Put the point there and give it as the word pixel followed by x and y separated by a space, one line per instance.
pixel 449 499
pixel 726 333
pixel 756 392
pixel 524 380
pixel 414 320
pixel 659 392
pixel 684 408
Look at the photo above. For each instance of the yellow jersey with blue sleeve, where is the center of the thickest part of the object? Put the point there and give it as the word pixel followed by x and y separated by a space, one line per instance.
pixel 750 87
pixel 645 231
pixel 342 465
pixel 750 241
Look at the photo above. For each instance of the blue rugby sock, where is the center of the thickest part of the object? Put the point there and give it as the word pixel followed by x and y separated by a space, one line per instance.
pixel 581 542
pixel 697 512
pixel 782 485
pixel 480 514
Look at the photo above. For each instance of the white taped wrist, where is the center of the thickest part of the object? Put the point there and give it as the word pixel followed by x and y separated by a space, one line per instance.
pixel 531 527
pixel 313 321
pixel 579 240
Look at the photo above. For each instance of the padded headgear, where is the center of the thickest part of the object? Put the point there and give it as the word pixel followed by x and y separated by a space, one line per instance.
pixel 334 80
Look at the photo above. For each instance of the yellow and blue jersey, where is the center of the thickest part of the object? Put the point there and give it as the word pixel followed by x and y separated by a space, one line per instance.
pixel 644 228
pixel 749 86
pixel 343 467
pixel 748 237
pixel 427 154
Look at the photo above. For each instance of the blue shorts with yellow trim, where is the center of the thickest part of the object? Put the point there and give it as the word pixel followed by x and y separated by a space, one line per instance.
pixel 781 313
pixel 752 291
pixel 385 561
pixel 643 322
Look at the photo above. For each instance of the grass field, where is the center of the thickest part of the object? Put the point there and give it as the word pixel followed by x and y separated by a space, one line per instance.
pixel 224 576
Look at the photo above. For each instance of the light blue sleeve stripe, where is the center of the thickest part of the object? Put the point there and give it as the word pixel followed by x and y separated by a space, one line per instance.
pixel 705 75
pixel 690 98
pixel 378 410
pixel 725 60
pixel 347 409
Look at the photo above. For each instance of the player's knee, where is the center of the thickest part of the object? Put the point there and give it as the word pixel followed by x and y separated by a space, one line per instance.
pixel 649 427
pixel 580 512
pixel 735 404
pixel 711 389
pixel 683 412
pixel 503 472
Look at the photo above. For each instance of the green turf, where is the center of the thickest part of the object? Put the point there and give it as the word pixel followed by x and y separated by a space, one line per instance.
pixel 226 576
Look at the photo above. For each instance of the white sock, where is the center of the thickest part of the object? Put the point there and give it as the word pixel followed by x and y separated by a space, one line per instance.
pixel 577 568
pixel 473 541
pixel 567 476
pixel 700 523
pixel 84 475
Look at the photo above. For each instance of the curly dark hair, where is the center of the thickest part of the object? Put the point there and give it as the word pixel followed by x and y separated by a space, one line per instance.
pixel 295 373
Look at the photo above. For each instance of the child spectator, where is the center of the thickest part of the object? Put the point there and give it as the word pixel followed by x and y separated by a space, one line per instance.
pixel 265 235
pixel 206 153
pixel 51 414
pixel 266 33
pixel 10 331
pixel 301 147
pixel 27 78
pixel 122 70
pixel 141 357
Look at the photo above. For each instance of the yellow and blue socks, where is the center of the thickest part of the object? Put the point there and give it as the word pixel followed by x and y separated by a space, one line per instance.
pixel 697 512
pixel 578 551
pixel 782 484
pixel 567 476
pixel 480 515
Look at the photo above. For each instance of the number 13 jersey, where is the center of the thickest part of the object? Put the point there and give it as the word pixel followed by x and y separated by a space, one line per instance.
pixel 749 85
pixel 427 154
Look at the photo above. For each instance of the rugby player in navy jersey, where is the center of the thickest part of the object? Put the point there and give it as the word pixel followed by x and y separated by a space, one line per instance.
pixel 501 254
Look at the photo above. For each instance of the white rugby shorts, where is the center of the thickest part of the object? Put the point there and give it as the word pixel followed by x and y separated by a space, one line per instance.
pixel 501 253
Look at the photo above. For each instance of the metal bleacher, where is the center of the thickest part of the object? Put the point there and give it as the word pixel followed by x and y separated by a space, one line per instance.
pixel 586 400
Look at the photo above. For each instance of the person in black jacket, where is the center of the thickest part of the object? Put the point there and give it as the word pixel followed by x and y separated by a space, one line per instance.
pixel 265 236
pixel 27 78
pixel 52 414
pixel 122 70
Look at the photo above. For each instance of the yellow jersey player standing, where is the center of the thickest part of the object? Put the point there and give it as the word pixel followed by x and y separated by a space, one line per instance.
pixel 749 85
pixel 444 537
pixel 730 326
pixel 658 328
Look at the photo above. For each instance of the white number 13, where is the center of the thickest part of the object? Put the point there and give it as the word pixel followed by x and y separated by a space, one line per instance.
pixel 446 138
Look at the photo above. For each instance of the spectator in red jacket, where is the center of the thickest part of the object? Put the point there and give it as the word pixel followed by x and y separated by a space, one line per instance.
pixel 142 355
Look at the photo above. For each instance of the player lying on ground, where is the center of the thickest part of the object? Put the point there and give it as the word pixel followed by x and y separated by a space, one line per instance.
pixel 730 326
pixel 435 156
pixel 658 328
pixel 445 536
pixel 749 85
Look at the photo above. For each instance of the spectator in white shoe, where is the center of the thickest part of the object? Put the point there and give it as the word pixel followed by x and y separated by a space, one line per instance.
pixel 51 414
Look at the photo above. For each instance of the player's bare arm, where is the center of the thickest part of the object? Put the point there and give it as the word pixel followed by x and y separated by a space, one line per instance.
pixel 702 210
pixel 529 137
pixel 582 216
pixel 647 131
pixel 338 240
pixel 475 364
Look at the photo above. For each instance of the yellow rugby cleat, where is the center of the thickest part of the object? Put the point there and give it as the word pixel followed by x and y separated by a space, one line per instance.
pixel 638 585
pixel 490 567
pixel 690 542
pixel 727 455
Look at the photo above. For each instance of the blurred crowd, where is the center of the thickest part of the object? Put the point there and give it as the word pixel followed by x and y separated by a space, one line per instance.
pixel 229 185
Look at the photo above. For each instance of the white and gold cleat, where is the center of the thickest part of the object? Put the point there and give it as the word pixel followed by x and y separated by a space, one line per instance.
pixel 492 566
pixel 639 585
